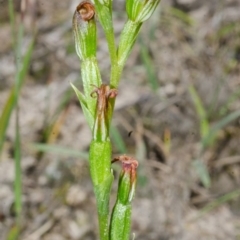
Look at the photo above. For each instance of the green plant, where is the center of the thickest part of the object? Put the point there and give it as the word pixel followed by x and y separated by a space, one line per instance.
pixel 22 63
pixel 217 202
pixel 98 101
pixel 208 133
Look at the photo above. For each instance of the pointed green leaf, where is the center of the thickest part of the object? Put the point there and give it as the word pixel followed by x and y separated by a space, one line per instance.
pixel 42 147
pixel 84 30
pixel 91 78
pixel 209 138
pixel 117 139
pixel 13 234
pixel 140 10
pixel 204 124
pixel 202 173
pixel 89 117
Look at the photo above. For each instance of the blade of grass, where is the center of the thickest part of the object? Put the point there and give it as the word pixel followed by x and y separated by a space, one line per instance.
pixel 10 103
pixel 12 21
pixel 18 172
pixel 204 124
pixel 209 138
pixel 212 108
pixel 141 155
pixel 13 233
pixel 17 147
pixel 227 30
pixel 181 15
pixel 148 64
pixel 202 173
pixel 218 202
pixel 59 150
pixel 204 129
pixel 232 98
pixel 117 139
pixel 17 43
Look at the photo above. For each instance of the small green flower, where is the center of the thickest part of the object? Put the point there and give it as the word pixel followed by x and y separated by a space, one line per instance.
pixel 103 112
pixel 121 215
pixel 140 10
pixel 127 179
pixel 84 29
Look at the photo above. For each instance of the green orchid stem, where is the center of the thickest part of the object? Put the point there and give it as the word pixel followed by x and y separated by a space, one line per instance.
pixel 102 193
pixel 115 71
pixel 121 221
pixel 115 76
pixel 111 46
pixel 127 40
pixel 102 178
pixel 100 155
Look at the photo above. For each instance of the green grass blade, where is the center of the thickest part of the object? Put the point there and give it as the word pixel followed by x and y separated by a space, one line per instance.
pixel 4 119
pixel 26 63
pixel 10 103
pixel 204 124
pixel 149 66
pixel 232 98
pixel 183 16
pixel 202 173
pixel 227 29
pixel 12 21
pixel 117 139
pixel 18 53
pixel 89 117
pixel 18 172
pixel 218 126
pixel 13 233
pixel 218 202
pixel 59 150
pixel 141 156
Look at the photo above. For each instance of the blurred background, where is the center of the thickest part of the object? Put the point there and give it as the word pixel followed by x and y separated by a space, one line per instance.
pixel 177 113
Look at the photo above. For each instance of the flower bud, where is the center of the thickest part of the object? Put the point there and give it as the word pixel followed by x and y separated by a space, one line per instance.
pixel 84 28
pixel 140 10
pixel 121 215
pixel 103 112
pixel 127 179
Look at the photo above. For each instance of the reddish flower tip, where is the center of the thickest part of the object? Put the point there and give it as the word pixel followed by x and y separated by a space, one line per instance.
pixel 129 165
pixel 86 10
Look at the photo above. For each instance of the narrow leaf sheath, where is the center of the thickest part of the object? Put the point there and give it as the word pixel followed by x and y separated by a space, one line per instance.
pixel 100 155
